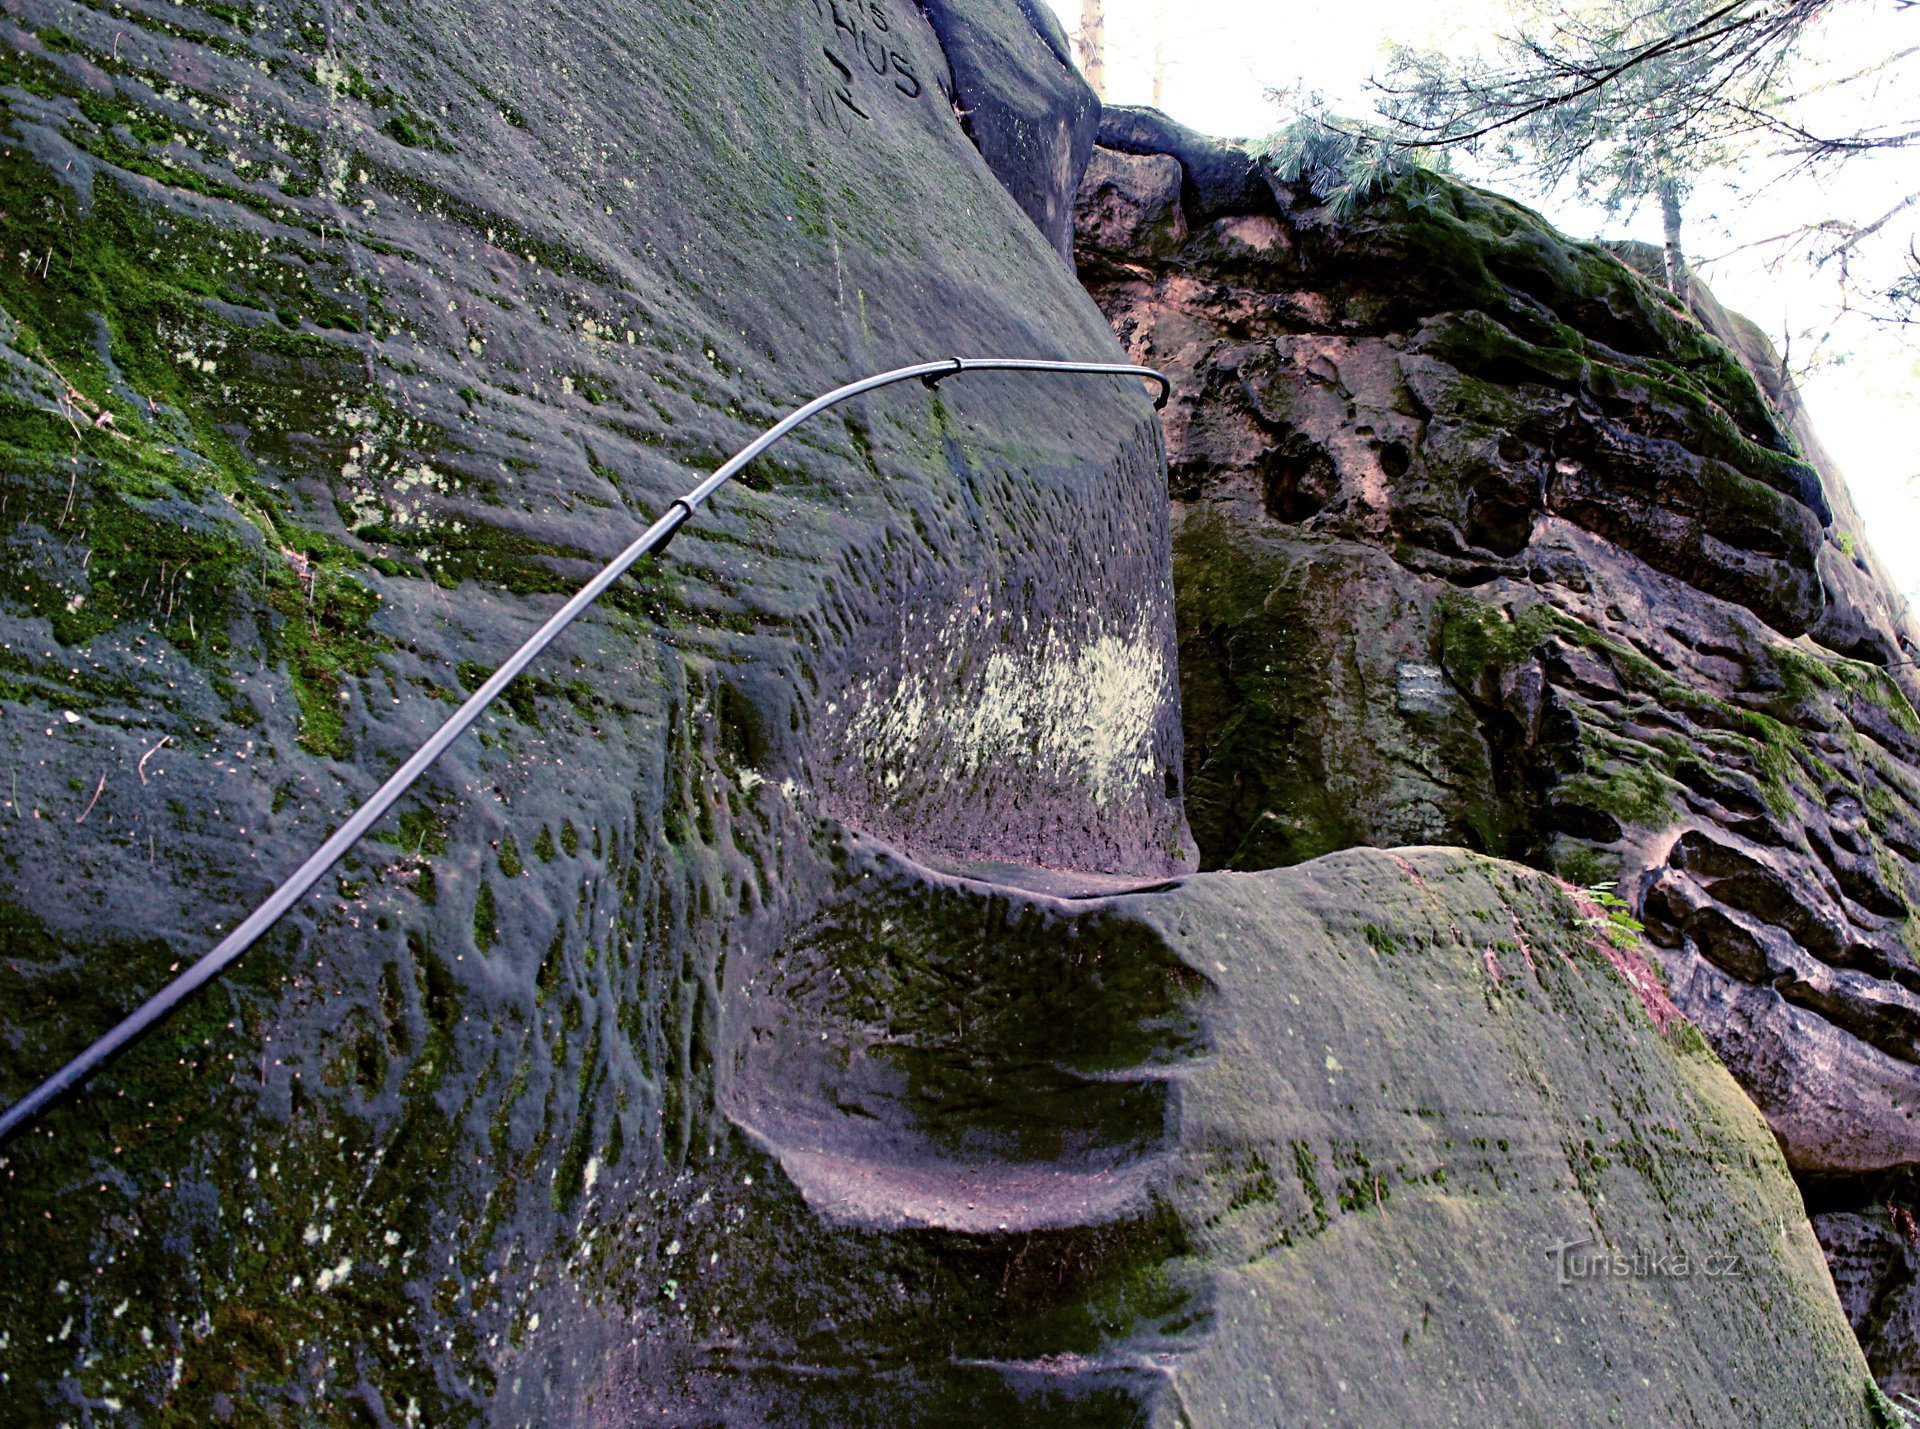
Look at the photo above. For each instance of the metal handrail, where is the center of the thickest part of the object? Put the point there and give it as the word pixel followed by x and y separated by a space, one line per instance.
pixel 654 539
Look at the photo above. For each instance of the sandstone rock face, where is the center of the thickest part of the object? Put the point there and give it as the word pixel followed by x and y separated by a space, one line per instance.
pixel 1479 541
pixel 1874 1257
pixel 1506 552
pixel 1397 1164
pixel 1385 1135
pixel 1216 178
pixel 404 319
pixel 1022 103
pixel 793 1005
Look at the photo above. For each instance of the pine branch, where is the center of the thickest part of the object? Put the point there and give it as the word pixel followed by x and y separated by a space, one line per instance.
pixel 1755 32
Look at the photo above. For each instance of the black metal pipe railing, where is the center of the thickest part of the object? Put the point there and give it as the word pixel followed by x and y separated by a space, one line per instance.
pixel 654 539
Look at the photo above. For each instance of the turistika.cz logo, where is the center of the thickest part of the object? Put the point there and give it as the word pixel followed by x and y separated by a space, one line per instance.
pixel 1576 1261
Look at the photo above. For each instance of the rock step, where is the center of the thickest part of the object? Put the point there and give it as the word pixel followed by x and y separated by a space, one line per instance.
pixel 980 1048
pixel 966 1198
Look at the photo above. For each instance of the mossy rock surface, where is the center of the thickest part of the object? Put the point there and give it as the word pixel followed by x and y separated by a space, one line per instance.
pixel 1510 551
pixel 1483 537
pixel 335 344
pixel 1441 1166
pixel 1383 1137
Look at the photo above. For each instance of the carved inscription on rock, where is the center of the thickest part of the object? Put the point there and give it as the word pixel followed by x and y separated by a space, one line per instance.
pixel 866 62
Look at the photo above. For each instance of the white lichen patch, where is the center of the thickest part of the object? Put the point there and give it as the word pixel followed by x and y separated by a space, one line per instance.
pixel 1071 710
pixel 331 1277
pixel 332 77
pixel 384 485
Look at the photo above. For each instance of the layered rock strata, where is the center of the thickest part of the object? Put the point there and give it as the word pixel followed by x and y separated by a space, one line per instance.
pixel 1480 540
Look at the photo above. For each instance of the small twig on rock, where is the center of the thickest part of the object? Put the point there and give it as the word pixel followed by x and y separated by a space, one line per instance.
pixel 66 410
pixel 141 767
pixel 94 800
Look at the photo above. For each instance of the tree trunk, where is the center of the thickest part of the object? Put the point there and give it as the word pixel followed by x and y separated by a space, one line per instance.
pixel 1676 255
pixel 1093 44
pixel 1160 54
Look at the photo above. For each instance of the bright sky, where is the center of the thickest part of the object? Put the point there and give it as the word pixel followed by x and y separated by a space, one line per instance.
pixel 1222 57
